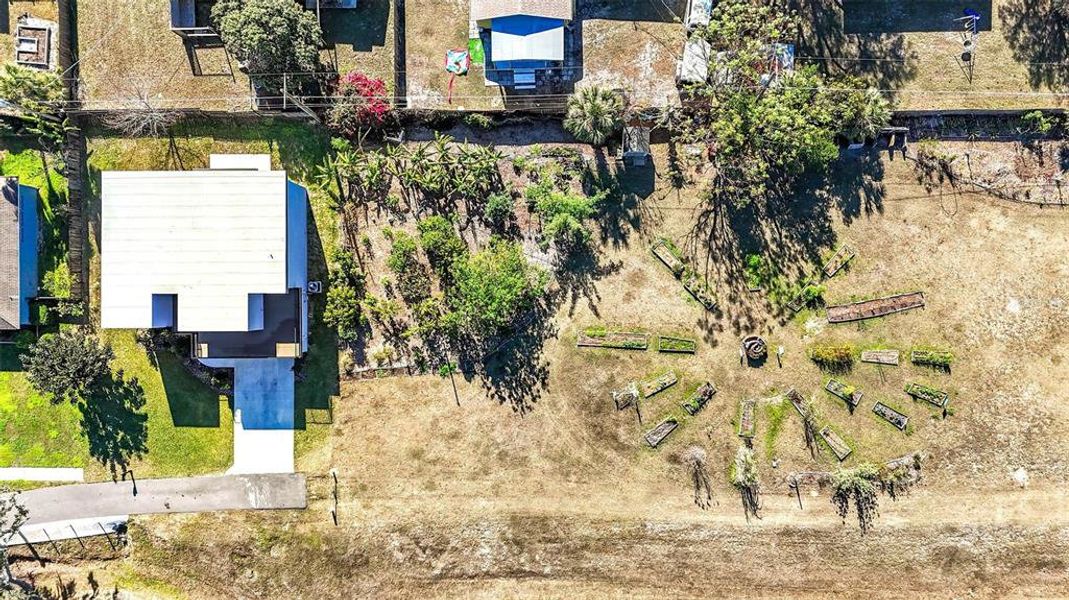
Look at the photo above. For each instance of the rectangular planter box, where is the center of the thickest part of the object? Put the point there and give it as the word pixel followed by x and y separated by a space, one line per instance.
pixel 746 419
pixel 668 257
pixel 659 384
pixel 676 345
pixel 891 415
pixel 843 392
pixel 936 398
pixel 842 256
pixel 697 288
pixel 655 436
pixel 700 398
pixel 870 309
pixel 936 358
pixel 796 400
pixel 836 443
pixel 618 340
pixel 881 357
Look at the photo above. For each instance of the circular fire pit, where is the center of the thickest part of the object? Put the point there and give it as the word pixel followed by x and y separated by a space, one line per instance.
pixel 755 347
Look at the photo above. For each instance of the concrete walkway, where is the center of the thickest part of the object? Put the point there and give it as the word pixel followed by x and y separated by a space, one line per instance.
pixel 181 495
pixel 261 450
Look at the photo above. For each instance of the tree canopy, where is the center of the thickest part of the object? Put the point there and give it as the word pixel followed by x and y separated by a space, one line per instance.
pixel 269 36
pixel 593 115
pixel 763 124
pixel 493 286
pixel 67 364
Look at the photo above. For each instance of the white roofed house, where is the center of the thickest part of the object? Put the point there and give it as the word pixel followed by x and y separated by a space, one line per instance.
pixel 524 40
pixel 219 254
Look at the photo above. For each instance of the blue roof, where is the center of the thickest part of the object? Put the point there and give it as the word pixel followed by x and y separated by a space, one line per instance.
pixel 27 250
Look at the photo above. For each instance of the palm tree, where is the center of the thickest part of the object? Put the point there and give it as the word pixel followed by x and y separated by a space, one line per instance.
pixel 594 114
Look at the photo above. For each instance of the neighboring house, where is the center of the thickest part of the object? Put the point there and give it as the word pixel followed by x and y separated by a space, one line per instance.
pixel 18 253
pixel 222 255
pixel 523 39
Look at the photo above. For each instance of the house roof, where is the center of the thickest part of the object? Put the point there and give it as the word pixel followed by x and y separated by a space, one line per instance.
pixel 492 9
pixel 210 237
pixel 9 254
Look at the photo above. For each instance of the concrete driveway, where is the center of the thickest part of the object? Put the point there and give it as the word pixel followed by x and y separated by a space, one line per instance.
pixel 180 495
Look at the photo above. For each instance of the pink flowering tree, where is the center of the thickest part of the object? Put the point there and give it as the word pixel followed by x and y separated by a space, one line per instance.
pixel 359 102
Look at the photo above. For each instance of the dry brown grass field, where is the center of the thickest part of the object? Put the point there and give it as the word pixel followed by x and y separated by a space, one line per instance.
pixel 535 486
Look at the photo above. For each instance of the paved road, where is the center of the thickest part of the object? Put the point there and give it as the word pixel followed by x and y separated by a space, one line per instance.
pixel 192 494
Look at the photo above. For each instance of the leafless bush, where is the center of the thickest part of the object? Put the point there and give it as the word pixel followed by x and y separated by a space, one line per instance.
pixel 141 112
pixel 695 459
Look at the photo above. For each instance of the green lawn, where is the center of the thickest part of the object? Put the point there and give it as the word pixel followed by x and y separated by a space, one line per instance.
pixel 35 432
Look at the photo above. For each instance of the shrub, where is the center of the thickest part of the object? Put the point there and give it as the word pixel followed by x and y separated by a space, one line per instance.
pixel 360 101
pixel 563 214
pixel 500 209
pixel 412 280
pixel 1038 122
pixel 478 120
pixel 342 311
pixel 594 114
pixel 67 364
pixel 494 285
pixel 441 242
pixel 832 355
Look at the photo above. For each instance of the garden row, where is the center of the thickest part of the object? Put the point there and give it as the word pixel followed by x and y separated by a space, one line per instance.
pixel 601 337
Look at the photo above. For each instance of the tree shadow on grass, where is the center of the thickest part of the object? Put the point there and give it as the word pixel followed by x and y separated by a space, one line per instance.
pixel 792 229
pixel 114 423
pixel 516 372
pixel 1038 37
pixel 883 58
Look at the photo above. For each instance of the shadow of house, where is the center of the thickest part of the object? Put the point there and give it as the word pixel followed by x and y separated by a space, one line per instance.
pixel 1038 36
pixel 361 28
pixel 894 16
pixel 883 56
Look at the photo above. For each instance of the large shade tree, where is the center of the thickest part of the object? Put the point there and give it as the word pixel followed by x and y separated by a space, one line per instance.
pixel 269 36
pixel 67 364
pixel 763 124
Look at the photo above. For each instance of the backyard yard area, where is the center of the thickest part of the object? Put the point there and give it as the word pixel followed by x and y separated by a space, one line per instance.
pixel 914 49
pixel 127 48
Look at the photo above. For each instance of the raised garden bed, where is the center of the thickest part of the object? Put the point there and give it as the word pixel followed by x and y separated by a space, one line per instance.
pixel 655 436
pixel 842 256
pixel 870 309
pixel 936 398
pixel 847 393
pixel 836 443
pixel 696 287
pixel 626 397
pixel 891 415
pixel 666 252
pixel 674 344
pixel 658 384
pixel 932 358
pixel 700 398
pixel 881 357
pixel 796 400
pixel 597 337
pixel 747 424
pixel 802 298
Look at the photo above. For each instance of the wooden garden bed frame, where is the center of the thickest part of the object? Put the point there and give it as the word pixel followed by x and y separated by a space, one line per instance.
pixel 839 390
pixel 879 307
pixel 796 400
pixel 617 340
pixel 935 358
pixel 667 255
pixel 699 399
pixel 747 423
pixel 892 416
pixel 881 357
pixel 661 339
pixel 651 387
pixel 655 436
pixel 700 291
pixel 840 259
pixel 936 398
pixel 838 447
